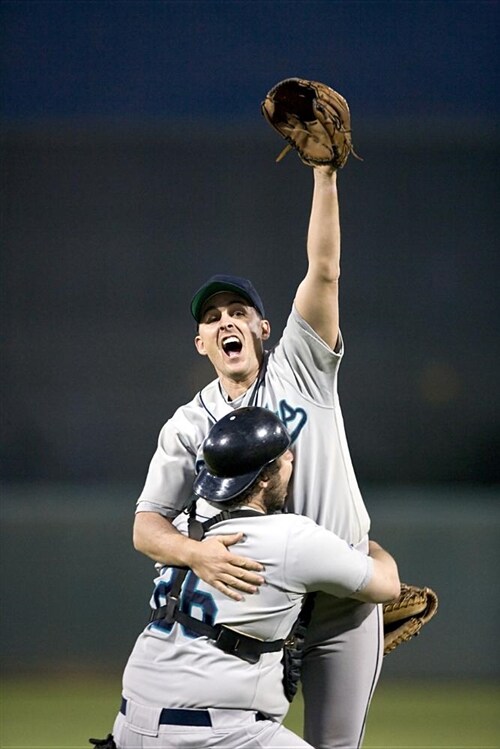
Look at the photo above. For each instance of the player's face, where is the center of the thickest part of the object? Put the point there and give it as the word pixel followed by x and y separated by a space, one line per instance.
pixel 231 334
pixel 286 468
pixel 277 487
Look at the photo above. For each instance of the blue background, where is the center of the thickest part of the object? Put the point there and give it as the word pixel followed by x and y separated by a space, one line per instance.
pixel 215 59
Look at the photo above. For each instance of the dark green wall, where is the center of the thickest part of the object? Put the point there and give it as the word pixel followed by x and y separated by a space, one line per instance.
pixel 75 594
pixel 107 233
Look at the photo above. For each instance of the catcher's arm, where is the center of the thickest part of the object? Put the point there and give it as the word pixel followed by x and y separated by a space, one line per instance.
pixel 156 537
pixel 384 584
pixel 317 295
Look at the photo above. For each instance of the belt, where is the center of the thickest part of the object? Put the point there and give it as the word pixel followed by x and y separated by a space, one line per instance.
pixel 179 717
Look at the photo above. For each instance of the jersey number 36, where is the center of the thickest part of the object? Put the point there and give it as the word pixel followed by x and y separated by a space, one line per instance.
pixel 193 602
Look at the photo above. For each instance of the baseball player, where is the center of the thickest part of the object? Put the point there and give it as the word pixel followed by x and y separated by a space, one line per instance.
pixel 207 671
pixel 297 380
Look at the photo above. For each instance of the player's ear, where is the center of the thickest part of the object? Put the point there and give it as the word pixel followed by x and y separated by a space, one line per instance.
pixel 200 346
pixel 265 327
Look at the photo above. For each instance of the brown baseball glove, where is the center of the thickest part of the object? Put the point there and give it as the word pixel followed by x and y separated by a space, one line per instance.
pixel 405 616
pixel 313 118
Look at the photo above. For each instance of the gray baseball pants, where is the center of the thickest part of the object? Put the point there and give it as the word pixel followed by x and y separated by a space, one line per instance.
pixel 341 667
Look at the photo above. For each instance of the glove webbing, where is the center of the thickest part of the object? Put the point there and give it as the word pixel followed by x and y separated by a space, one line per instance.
pixel 234 643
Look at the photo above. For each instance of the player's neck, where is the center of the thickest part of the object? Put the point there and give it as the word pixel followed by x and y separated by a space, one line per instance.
pixel 256 504
pixel 234 388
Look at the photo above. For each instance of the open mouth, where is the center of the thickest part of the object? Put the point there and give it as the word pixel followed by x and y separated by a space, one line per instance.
pixel 231 346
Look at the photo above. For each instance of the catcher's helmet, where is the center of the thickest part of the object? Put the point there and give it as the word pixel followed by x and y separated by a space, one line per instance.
pixel 236 451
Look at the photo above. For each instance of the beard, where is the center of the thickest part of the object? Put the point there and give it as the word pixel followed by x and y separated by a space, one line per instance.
pixel 275 496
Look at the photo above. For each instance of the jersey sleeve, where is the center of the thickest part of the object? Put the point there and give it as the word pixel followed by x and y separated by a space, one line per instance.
pixel 168 486
pixel 317 559
pixel 304 360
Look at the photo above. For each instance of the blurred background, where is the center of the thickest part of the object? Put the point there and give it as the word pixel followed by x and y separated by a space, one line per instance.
pixel 136 163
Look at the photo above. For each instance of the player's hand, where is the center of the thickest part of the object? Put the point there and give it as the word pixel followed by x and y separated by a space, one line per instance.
pixel 228 573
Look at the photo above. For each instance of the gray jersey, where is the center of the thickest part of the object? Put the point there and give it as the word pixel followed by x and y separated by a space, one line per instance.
pixel 171 665
pixel 300 385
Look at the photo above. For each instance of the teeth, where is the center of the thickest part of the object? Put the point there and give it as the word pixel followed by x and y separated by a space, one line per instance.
pixel 231 345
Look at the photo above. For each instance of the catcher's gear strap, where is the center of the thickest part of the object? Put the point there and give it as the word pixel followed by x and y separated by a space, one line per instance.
pixel 293 649
pixel 303 618
pixel 234 643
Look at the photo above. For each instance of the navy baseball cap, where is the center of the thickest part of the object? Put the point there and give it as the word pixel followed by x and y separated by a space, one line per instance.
pixel 217 283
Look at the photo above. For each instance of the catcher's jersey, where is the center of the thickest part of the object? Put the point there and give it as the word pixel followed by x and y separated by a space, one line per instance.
pixel 300 385
pixel 174 667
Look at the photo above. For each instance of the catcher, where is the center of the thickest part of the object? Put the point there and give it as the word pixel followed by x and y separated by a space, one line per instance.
pixel 206 671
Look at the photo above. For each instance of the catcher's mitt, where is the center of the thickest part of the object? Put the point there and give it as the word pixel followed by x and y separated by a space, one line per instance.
pixel 313 118
pixel 405 616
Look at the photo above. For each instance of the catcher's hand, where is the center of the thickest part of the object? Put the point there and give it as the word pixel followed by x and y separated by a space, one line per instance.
pixel 313 118
pixel 405 616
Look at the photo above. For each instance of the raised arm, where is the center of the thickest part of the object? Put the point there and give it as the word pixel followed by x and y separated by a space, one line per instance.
pixel 317 295
pixel 157 538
